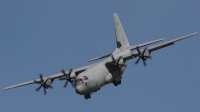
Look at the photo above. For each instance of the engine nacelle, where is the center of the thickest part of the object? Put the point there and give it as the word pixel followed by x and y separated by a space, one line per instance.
pixel 48 82
pixel 73 76
pixel 146 53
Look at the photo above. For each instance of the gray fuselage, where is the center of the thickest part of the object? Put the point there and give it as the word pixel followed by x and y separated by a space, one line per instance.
pixel 97 76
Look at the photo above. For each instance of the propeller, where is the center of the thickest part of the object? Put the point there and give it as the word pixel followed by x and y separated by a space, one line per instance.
pixel 117 64
pixel 142 56
pixel 43 84
pixel 67 78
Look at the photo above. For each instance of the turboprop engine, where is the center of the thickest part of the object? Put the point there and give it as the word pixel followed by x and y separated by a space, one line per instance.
pixel 44 83
pixel 48 83
pixel 144 55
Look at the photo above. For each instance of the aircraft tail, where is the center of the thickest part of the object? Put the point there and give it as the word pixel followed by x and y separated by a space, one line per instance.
pixel 122 41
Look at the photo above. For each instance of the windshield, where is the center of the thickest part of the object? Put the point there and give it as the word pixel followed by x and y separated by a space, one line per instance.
pixel 81 79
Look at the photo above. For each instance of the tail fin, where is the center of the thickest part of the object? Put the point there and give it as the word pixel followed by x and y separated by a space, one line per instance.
pixel 122 41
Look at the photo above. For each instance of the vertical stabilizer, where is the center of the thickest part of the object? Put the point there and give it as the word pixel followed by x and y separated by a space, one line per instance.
pixel 122 41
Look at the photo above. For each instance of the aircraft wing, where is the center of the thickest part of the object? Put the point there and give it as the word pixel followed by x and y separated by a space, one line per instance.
pixel 164 44
pixel 152 48
pixel 168 43
pixel 55 76
pixel 131 48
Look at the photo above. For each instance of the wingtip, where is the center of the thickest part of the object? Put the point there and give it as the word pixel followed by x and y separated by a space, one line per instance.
pixel 195 33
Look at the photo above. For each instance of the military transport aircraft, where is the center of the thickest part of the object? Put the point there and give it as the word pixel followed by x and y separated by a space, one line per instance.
pixel 89 79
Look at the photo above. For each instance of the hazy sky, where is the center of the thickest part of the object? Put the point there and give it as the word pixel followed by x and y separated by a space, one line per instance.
pixel 45 36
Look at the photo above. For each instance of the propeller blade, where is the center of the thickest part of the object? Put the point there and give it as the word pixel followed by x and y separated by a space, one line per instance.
pixel 113 58
pixel 137 61
pixel 144 62
pixel 51 87
pixel 138 50
pixel 41 78
pixel 62 78
pixel 142 56
pixel 119 60
pixel 45 81
pixel 144 51
pixel 122 65
pixel 149 57
pixel 72 84
pixel 63 71
pixel 69 75
pixel 65 84
pixel 116 65
pixel 39 88
pixel 45 92
pixel 70 71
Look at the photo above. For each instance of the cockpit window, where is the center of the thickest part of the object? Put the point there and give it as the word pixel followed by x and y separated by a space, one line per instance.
pixel 85 77
pixel 81 79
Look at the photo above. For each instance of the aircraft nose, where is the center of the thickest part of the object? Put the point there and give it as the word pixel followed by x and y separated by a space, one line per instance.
pixel 81 89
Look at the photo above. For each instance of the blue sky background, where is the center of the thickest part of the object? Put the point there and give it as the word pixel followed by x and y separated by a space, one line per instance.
pixel 45 36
